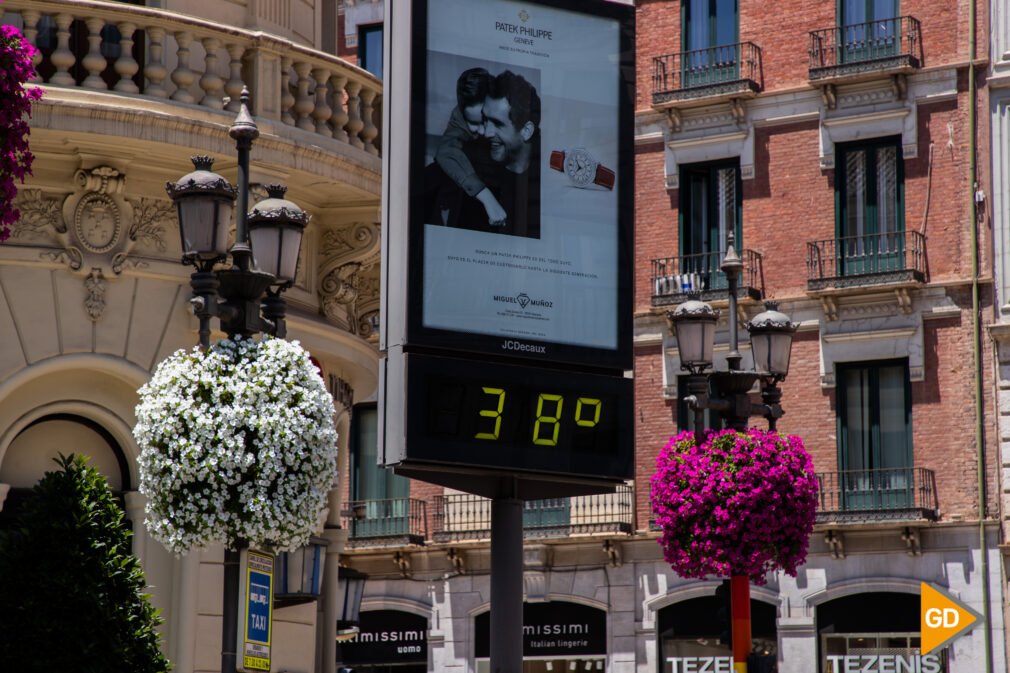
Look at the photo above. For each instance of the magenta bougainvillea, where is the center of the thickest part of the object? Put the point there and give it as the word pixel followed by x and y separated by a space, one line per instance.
pixel 738 504
pixel 16 100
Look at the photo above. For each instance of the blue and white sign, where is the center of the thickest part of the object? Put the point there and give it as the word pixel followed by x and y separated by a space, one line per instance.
pixel 256 609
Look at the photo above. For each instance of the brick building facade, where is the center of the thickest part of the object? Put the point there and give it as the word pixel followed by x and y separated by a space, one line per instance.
pixel 835 139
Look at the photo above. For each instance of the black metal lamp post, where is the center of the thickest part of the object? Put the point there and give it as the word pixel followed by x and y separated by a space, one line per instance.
pixel 771 334
pixel 245 295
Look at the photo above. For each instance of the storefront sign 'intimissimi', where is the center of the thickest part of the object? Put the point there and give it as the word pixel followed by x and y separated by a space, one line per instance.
pixel 553 629
pixel 388 637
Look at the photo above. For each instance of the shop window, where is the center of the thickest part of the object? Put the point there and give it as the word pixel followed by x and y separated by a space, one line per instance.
pixel 710 206
pixel 874 434
pixel 871 210
pixel 700 627
pixel 710 36
pixel 381 494
pixel 370 48
pixel 851 629
pixel 558 636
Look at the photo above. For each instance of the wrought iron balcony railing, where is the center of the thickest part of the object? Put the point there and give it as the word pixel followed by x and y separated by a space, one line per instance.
pixel 141 51
pixel 874 495
pixel 883 45
pixel 674 277
pixel 724 70
pixel 872 259
pixel 377 523
pixel 468 517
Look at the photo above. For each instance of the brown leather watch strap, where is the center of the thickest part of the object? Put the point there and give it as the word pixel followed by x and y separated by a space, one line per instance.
pixel 604 177
pixel 558 160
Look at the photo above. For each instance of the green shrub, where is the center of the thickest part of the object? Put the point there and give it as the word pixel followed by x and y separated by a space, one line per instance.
pixel 71 593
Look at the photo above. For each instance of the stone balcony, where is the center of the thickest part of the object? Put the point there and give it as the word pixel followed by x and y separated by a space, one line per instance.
pixel 151 75
pixel 130 93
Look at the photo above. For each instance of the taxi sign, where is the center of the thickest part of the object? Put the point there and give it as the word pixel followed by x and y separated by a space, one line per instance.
pixel 943 619
pixel 255 611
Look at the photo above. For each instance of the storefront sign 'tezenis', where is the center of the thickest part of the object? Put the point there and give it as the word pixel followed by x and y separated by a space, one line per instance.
pixel 700 664
pixel 884 663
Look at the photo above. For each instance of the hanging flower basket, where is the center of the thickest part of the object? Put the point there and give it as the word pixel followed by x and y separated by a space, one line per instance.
pixel 738 504
pixel 16 69
pixel 237 445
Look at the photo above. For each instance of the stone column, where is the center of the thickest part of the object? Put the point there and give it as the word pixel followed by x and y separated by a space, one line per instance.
pixel 337 537
pixel 135 502
pixel 4 488
pixel 182 639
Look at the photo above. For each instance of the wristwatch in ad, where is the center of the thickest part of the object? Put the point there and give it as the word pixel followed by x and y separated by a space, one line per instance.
pixel 581 168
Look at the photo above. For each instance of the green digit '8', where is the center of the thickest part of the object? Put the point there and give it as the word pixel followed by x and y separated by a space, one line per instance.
pixel 545 419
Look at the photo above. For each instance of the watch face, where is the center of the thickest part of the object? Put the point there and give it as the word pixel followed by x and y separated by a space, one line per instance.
pixel 580 167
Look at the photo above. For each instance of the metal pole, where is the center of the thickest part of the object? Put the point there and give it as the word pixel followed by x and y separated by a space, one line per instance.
pixel 229 612
pixel 739 591
pixel 731 266
pixel 506 585
pixel 244 131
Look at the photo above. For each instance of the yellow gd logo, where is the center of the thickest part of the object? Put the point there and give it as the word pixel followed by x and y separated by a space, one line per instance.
pixel 943 619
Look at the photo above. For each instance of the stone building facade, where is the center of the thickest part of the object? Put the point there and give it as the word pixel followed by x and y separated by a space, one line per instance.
pixel 92 293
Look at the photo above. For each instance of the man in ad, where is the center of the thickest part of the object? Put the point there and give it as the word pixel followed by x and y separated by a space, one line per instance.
pixel 486 176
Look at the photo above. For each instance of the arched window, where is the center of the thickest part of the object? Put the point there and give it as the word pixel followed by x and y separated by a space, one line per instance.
pixel 30 455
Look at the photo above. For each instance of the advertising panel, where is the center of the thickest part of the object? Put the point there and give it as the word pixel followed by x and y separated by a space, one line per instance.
pixel 507 246
pixel 520 211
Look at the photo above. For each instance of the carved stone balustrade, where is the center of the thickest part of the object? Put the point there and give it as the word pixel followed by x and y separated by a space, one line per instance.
pixel 141 51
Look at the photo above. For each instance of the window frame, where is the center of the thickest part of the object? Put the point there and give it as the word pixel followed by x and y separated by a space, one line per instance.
pixel 842 370
pixel 364 30
pixel 869 238
pixel 685 207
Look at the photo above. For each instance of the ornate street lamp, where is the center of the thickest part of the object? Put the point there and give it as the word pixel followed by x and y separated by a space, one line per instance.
pixel 771 334
pixel 245 295
pixel 694 324
pixel 300 573
pixel 771 340
pixel 350 589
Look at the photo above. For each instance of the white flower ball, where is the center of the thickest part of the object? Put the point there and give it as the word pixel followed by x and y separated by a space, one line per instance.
pixel 237 446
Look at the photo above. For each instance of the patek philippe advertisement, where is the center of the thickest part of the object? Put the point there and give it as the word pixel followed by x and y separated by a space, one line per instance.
pixel 520 184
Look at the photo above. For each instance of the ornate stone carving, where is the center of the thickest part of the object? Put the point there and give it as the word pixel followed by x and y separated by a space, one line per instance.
pixel 94 302
pixel 94 220
pixel 151 217
pixel 39 213
pixel 97 223
pixel 346 286
pixel 104 180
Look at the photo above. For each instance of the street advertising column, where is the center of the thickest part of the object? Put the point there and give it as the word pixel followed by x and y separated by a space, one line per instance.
pixel 507 247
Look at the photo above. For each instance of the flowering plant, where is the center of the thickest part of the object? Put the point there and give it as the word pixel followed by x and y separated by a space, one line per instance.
pixel 16 68
pixel 237 444
pixel 738 504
